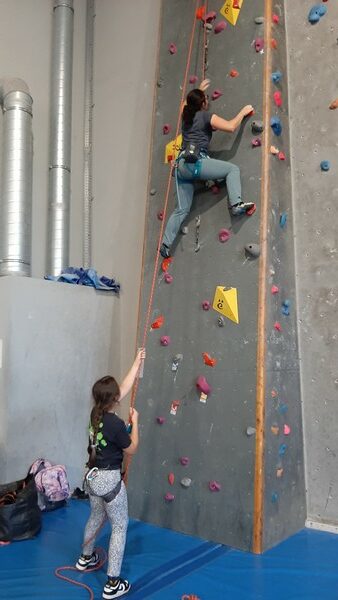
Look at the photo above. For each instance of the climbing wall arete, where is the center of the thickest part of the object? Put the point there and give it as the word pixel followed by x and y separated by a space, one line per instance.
pixel 194 471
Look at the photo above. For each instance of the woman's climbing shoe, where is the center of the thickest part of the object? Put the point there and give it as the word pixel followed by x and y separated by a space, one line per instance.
pixel 87 562
pixel 115 587
pixel 241 208
pixel 165 251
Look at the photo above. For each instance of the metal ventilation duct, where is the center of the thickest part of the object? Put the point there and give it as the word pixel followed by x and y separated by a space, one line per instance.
pixel 16 178
pixel 60 137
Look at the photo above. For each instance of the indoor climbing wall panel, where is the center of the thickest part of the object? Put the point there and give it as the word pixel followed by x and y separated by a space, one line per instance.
pixel 194 471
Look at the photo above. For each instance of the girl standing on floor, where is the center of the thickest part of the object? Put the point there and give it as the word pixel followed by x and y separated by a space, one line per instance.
pixel 108 441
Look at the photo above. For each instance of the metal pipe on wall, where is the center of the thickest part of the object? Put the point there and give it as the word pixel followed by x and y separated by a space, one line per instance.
pixel 16 179
pixel 60 138
pixel 88 138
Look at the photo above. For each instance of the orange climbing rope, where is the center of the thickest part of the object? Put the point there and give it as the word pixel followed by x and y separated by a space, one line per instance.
pixel 152 287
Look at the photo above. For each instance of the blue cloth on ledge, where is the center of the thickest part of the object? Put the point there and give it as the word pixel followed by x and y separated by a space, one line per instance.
pixel 88 277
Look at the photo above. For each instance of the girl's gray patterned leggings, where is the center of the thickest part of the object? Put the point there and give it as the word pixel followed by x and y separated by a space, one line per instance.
pixel 117 513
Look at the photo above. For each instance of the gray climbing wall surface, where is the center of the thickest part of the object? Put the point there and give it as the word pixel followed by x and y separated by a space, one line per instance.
pixel 214 435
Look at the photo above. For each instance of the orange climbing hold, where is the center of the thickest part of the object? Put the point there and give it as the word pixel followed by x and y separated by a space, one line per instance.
pixel 233 73
pixel 334 104
pixel 166 264
pixel 157 324
pixel 210 362
pixel 200 12
pixel 273 43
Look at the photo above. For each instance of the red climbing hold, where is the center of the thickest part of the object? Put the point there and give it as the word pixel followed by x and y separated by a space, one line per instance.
pixel 277 326
pixel 171 478
pixel 224 235
pixel 166 263
pixel 202 385
pixel 251 210
pixel 193 78
pixel 160 215
pixel 172 48
pixel 274 289
pixel 160 420
pixel 168 278
pixel 166 129
pixel 235 4
pixel 273 43
pixel 210 16
pixel 287 429
pixel 233 73
pixel 215 189
pixel 278 98
pixel 206 305
pixel 157 324
pixel 165 340
pixel 275 19
pixel 189 597
pixel 210 362
pixel 216 94
pixel 214 486
pixel 281 156
pixel 219 27
pixel 200 12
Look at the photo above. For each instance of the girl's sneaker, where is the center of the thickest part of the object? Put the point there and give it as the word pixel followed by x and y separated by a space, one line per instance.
pixel 87 562
pixel 115 587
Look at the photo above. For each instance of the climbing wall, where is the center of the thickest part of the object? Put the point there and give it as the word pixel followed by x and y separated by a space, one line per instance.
pixel 195 468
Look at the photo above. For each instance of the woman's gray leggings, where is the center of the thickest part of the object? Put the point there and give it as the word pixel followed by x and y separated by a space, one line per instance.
pixel 207 168
pixel 117 513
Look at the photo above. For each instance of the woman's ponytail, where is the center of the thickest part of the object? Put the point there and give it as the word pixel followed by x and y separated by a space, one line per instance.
pixel 195 100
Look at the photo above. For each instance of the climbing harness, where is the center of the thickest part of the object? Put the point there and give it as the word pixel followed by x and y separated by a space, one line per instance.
pixel 109 496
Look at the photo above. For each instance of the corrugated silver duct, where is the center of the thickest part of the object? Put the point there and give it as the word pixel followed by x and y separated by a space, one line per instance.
pixel 60 137
pixel 88 138
pixel 16 178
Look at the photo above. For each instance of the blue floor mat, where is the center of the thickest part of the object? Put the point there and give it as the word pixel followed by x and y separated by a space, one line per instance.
pixel 164 565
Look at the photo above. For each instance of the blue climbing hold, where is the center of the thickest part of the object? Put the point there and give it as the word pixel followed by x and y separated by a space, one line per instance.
pixel 315 13
pixel 286 307
pixel 325 165
pixel 276 125
pixel 282 409
pixel 276 76
pixel 282 449
pixel 274 497
pixel 283 219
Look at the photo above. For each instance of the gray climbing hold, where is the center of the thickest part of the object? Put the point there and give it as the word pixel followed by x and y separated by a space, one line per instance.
pixel 184 230
pixel 186 482
pixel 253 250
pixel 250 431
pixel 208 26
pixel 257 127
pixel 259 20
pixel 176 362
pixel 220 322
pixel 160 82
pixel 152 192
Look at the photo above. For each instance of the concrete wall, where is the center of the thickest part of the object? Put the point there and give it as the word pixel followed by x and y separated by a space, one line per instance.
pixel 313 55
pixel 56 342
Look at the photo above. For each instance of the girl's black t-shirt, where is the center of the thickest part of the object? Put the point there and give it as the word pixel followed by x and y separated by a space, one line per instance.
pixel 112 438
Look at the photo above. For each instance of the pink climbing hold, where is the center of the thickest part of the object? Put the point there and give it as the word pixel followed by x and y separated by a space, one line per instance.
pixel 215 189
pixel 168 278
pixel 172 48
pixel 214 486
pixel 193 78
pixel 169 497
pixel 259 44
pixel 202 385
pixel 206 305
pixel 275 19
pixel 216 94
pixel 165 340
pixel 184 460
pixel 277 326
pixel 166 129
pixel 171 478
pixel 160 215
pixel 160 420
pixel 256 142
pixel 220 26
pixel 274 289
pixel 281 156
pixel 210 17
pixel 278 98
pixel 224 235
pixel 287 429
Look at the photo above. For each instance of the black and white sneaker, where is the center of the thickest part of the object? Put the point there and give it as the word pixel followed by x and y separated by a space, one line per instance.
pixel 241 208
pixel 165 251
pixel 87 562
pixel 115 588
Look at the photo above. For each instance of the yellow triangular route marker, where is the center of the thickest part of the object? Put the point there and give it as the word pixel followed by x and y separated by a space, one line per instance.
pixel 172 149
pixel 225 302
pixel 229 12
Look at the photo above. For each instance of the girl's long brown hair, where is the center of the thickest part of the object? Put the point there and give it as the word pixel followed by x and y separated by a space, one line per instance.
pixel 105 392
pixel 195 101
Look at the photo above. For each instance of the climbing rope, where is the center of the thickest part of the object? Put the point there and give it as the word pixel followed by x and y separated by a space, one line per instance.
pixel 153 282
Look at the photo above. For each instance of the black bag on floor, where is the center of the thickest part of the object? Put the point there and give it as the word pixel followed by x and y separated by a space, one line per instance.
pixel 20 516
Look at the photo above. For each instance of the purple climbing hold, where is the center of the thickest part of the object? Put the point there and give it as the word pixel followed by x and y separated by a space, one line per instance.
pixel 216 94
pixel 169 497
pixel 210 16
pixel 172 48
pixel 165 340
pixel 206 305
pixel 259 44
pixel 193 78
pixel 202 385
pixel 256 142
pixel 220 26
pixel 214 486
pixel 160 420
pixel 184 460
pixel 168 278
pixel 166 128
pixel 224 235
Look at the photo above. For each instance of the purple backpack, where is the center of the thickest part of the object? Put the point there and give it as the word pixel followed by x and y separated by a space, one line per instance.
pixel 52 484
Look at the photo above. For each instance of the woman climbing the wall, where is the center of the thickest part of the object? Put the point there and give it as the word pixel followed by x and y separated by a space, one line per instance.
pixel 108 440
pixel 193 163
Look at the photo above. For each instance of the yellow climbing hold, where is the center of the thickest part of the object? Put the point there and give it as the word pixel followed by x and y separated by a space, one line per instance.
pixel 230 12
pixel 225 302
pixel 172 149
